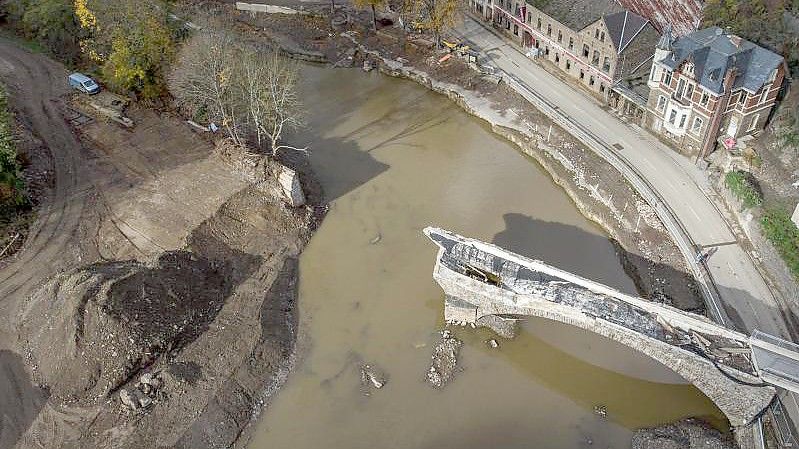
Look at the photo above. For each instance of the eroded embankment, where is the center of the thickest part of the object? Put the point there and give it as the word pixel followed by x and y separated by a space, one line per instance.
pixel 180 350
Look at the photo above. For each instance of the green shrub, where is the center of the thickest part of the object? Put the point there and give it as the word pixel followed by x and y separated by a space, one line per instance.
pixel 10 182
pixel 742 186
pixel 784 235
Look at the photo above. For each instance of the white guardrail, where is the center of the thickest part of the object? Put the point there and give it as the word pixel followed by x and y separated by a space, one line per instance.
pixel 666 215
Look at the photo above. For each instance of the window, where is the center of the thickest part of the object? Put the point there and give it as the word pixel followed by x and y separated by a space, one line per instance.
pixel 689 69
pixel 585 50
pixel 682 120
pixel 546 50
pixel 515 29
pixel 549 29
pixel 539 23
pixel 661 103
pixel 704 100
pixel 680 88
pixel 529 17
pixel 753 123
pixel 595 59
pixel 667 78
pixel 602 87
pixel 763 95
pixel 582 74
pixel 697 126
pixel 672 116
pixel 602 37
pixel 596 33
pixel 557 58
pixel 689 91
pixel 606 65
pixel 742 97
pixel 568 64
pixel 507 24
pixel 571 43
pixel 560 36
pixel 653 74
pixel 591 80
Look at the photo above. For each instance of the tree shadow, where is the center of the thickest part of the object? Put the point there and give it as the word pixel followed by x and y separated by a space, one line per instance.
pixel 20 400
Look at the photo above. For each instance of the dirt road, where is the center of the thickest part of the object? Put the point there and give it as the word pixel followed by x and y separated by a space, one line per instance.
pixel 35 84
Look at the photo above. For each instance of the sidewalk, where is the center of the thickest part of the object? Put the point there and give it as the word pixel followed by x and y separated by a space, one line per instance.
pixel 746 300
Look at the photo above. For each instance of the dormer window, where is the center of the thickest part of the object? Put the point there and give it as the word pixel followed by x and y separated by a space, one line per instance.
pixel 689 69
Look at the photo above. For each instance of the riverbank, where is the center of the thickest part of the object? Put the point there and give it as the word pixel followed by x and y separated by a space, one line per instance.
pixel 155 303
pixel 644 245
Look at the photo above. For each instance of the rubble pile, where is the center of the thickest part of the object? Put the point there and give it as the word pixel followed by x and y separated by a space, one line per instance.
pixel 444 360
pixel 686 434
pixel 372 378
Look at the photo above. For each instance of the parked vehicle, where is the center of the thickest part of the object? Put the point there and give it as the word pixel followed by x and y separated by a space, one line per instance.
pixel 83 83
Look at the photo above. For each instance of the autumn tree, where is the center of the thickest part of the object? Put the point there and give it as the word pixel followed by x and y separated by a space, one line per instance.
pixel 373 4
pixel 132 40
pixel 52 23
pixel 438 16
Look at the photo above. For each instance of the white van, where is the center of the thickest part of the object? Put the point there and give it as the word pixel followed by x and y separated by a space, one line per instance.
pixel 83 83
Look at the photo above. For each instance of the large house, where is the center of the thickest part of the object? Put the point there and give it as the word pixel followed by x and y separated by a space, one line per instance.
pixel 596 42
pixel 711 87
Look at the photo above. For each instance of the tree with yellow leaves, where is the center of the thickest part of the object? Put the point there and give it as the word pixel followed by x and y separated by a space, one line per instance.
pixel 131 40
pixel 437 16
pixel 370 4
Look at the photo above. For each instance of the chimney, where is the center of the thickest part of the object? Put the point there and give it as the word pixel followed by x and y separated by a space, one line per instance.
pixel 736 40
pixel 718 114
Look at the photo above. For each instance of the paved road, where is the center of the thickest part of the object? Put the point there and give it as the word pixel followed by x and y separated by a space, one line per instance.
pixel 746 298
pixel 36 83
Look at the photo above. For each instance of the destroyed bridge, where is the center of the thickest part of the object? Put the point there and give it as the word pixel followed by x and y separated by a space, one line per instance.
pixel 489 286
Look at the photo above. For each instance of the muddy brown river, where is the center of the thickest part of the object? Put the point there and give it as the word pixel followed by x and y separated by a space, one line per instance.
pixel 394 158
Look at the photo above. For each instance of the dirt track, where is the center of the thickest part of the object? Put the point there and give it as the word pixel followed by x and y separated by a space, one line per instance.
pixel 36 83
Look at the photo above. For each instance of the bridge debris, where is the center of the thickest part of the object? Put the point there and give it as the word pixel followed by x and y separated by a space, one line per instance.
pixel 444 360
pixel 372 377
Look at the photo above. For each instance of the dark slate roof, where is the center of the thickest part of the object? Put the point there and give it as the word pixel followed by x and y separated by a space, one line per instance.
pixel 623 27
pixel 713 52
pixel 576 14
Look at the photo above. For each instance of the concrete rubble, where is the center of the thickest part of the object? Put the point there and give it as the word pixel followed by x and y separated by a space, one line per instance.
pixel 372 377
pixel 444 363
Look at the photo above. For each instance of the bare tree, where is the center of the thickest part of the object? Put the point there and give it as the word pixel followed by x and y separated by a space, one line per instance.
pixel 283 110
pixel 204 77
pixel 251 92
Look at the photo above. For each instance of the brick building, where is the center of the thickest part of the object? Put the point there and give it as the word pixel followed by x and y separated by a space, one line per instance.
pixel 711 87
pixel 596 42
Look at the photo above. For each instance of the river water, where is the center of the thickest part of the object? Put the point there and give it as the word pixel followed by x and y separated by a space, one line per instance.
pixel 394 158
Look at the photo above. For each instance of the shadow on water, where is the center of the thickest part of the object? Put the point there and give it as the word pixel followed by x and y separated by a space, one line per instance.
pixel 20 400
pixel 561 243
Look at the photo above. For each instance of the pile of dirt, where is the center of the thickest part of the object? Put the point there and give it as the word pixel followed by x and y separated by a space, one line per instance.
pixel 110 320
pixel 686 434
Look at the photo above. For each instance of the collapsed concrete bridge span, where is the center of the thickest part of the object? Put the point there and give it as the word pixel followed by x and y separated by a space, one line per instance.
pixel 487 285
